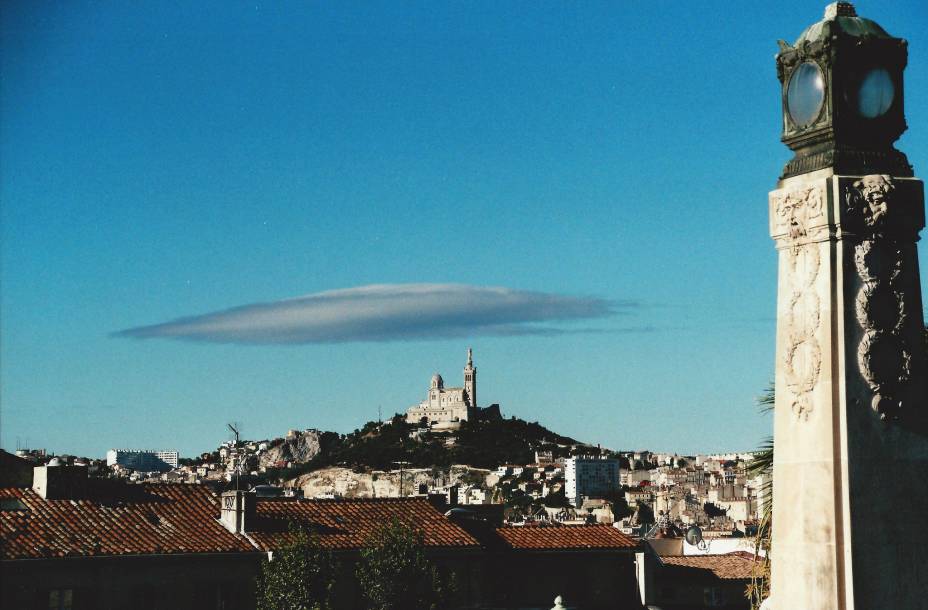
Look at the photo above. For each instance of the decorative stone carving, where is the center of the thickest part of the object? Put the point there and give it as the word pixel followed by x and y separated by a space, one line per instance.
pixel 802 356
pixel 804 264
pixel 869 197
pixel 883 357
pixel 803 365
pixel 799 215
pixel 877 263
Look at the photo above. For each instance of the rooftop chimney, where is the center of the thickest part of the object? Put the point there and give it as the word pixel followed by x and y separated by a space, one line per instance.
pixel 238 511
pixel 59 482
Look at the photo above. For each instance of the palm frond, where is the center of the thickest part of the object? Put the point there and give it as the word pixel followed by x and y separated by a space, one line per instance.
pixel 762 465
pixel 767 399
pixel 763 460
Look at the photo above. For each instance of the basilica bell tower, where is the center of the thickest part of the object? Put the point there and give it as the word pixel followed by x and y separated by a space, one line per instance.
pixel 470 380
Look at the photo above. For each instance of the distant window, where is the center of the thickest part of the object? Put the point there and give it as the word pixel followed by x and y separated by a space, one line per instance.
pixel 713 597
pixel 60 599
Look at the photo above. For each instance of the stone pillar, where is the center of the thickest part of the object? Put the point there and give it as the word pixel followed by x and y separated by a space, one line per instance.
pixel 850 477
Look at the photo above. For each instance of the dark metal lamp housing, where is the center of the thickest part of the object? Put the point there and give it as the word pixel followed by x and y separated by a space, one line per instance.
pixel 842 96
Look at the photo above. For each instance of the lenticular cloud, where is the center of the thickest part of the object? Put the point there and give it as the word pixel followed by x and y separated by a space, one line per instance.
pixel 386 312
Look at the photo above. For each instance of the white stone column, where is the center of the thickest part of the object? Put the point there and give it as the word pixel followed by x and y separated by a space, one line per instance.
pixel 850 478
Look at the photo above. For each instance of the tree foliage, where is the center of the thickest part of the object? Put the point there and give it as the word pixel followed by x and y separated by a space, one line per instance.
pixel 393 572
pixel 645 514
pixel 762 465
pixel 300 577
pixel 620 507
pixel 482 444
pixel 556 499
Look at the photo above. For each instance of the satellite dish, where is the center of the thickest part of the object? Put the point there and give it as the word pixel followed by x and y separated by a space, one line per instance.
pixel 693 536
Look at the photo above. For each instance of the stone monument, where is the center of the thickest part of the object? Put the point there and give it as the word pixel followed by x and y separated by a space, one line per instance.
pixel 850 475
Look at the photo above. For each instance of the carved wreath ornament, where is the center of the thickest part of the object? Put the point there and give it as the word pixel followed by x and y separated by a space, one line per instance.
pixel 799 216
pixel 803 355
pixel 884 359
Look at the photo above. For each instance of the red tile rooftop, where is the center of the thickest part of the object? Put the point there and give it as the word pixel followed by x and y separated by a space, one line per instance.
pixel 733 566
pixel 347 524
pixel 153 519
pixel 165 518
pixel 564 537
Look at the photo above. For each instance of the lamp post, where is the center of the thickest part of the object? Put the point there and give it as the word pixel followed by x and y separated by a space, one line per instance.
pixel 850 475
pixel 842 96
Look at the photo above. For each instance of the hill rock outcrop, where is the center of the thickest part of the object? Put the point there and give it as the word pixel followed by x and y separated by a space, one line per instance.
pixel 299 449
pixel 344 482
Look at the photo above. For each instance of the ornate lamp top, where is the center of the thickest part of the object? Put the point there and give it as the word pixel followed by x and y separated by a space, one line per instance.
pixel 840 9
pixel 842 94
pixel 841 19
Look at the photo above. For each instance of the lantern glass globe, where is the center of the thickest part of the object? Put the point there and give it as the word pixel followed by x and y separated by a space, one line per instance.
pixel 876 93
pixel 805 94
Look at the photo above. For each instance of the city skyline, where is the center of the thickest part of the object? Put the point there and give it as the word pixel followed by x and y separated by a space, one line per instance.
pixel 328 206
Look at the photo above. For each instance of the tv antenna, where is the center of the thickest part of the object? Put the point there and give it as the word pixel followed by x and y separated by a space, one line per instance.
pixel 234 426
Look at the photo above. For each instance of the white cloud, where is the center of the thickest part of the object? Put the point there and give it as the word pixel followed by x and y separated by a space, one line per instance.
pixel 387 312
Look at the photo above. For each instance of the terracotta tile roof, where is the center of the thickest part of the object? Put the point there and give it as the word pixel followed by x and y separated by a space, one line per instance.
pixel 347 524
pixel 565 537
pixel 132 520
pixel 734 566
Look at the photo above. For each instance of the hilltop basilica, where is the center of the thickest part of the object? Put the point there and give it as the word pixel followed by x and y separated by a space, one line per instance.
pixel 445 408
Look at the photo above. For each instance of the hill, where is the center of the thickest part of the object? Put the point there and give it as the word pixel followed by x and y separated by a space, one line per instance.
pixel 345 483
pixel 299 448
pixel 482 444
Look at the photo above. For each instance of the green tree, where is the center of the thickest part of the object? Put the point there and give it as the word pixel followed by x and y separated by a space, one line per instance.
pixel 300 577
pixel 394 574
pixel 620 507
pixel 644 514
pixel 556 500
pixel 519 499
pixel 762 464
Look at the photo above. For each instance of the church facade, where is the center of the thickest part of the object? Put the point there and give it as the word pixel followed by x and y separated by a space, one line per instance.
pixel 446 408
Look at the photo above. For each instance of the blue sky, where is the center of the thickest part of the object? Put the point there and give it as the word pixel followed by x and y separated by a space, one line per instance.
pixel 576 190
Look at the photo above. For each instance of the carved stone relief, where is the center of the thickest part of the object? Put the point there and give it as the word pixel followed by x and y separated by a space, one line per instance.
pixel 799 221
pixel 796 213
pixel 802 358
pixel 883 356
pixel 869 198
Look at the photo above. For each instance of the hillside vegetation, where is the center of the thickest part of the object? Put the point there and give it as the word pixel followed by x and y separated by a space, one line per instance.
pixel 482 444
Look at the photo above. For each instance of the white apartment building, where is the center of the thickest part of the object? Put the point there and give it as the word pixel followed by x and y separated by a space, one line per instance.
pixel 144 460
pixel 590 477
